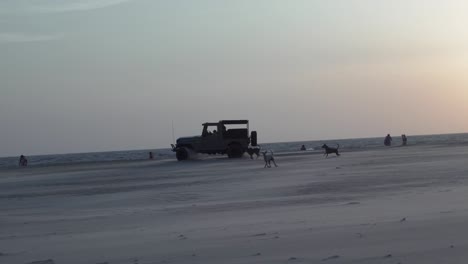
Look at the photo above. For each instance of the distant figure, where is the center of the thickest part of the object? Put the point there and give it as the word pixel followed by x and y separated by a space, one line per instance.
pixel 329 150
pixel 303 147
pixel 151 155
pixel 388 140
pixel 253 150
pixel 23 162
pixel 268 157
pixel 404 139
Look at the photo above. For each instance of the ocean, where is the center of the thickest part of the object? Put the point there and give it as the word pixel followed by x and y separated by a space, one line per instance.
pixel 346 145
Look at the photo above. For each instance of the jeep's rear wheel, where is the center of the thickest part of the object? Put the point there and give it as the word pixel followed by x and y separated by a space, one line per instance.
pixel 235 151
pixel 182 154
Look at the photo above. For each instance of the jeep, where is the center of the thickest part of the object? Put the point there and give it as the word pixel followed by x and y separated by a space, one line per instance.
pixel 229 137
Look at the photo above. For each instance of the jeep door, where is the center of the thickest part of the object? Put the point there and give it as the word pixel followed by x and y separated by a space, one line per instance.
pixel 211 140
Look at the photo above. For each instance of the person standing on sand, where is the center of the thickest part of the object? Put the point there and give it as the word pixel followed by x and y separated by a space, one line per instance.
pixel 388 140
pixel 151 155
pixel 404 139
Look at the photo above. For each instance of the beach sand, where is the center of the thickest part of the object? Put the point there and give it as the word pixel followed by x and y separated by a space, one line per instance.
pixel 395 205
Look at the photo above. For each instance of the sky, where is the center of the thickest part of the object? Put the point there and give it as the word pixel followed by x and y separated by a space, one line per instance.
pixel 101 75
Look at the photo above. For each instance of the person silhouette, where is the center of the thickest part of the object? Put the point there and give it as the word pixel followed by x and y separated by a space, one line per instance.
pixel 388 140
pixel 404 139
pixel 23 162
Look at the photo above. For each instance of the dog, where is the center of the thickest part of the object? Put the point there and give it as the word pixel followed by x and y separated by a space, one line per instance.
pixel 268 157
pixel 253 150
pixel 329 150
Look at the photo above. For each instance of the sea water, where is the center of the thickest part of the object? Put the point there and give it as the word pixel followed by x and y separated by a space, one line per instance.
pixel 346 145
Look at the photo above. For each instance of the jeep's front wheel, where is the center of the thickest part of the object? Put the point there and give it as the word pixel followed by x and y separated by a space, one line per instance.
pixel 182 154
pixel 235 151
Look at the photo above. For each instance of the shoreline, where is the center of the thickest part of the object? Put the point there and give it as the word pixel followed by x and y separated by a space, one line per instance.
pixel 378 138
pixel 202 157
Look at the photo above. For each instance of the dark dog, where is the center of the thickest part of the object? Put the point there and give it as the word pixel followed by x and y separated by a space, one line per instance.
pixel 268 157
pixel 253 150
pixel 329 150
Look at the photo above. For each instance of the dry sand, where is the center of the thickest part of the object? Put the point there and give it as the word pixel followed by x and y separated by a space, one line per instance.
pixel 397 205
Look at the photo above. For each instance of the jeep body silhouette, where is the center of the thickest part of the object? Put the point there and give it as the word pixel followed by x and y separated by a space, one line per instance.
pixel 229 137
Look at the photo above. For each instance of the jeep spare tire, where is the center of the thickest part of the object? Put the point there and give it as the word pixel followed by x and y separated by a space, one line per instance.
pixel 253 138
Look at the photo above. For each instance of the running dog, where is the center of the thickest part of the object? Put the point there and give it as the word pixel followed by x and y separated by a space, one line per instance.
pixel 253 150
pixel 329 150
pixel 268 157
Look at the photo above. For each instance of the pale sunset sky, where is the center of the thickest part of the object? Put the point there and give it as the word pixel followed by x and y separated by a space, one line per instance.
pixel 99 75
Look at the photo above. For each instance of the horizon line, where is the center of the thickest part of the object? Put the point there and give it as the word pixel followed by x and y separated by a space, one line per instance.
pixel 121 150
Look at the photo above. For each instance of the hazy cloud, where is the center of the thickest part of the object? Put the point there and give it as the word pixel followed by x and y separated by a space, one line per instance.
pixel 53 6
pixel 21 37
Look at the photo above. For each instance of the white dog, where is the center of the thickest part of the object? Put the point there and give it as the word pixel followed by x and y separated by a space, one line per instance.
pixel 268 157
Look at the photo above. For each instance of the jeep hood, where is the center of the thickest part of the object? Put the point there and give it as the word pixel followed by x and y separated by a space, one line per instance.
pixel 188 139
